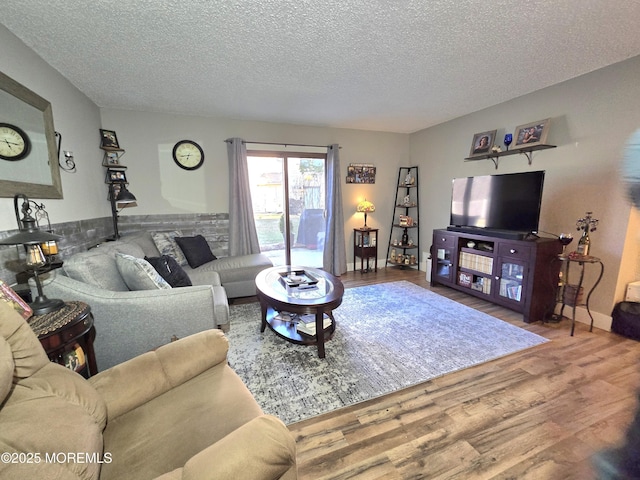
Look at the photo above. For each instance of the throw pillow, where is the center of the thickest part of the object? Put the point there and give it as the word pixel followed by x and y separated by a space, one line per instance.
pixel 196 249
pixel 169 269
pixel 166 245
pixel 138 274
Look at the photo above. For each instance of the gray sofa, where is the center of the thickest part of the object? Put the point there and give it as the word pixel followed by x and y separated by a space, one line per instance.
pixel 129 323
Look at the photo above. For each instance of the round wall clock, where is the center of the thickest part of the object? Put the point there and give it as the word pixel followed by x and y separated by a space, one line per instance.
pixel 14 142
pixel 188 154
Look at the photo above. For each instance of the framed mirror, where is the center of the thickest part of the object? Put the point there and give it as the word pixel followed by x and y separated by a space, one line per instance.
pixel 26 119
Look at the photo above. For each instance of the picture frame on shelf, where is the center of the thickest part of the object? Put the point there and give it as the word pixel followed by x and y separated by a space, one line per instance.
pixel 116 176
pixel 111 159
pixel 75 359
pixel 531 134
pixel 108 139
pixel 405 221
pixel 482 143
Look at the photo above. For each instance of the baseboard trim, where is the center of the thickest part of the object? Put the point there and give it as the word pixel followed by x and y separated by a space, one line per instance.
pixel 600 320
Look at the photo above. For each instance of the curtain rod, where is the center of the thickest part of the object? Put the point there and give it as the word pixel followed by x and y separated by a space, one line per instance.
pixel 283 144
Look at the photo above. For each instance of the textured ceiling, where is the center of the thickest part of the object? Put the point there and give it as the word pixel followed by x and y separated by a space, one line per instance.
pixel 385 65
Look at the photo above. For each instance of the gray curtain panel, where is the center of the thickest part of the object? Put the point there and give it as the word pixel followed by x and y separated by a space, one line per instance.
pixel 334 258
pixel 243 237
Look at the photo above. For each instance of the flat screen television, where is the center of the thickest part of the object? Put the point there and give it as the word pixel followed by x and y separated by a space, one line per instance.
pixel 494 203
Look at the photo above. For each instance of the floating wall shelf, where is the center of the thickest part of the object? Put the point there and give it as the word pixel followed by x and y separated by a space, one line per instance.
pixel 494 156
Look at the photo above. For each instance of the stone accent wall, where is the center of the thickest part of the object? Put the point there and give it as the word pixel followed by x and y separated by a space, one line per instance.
pixel 81 235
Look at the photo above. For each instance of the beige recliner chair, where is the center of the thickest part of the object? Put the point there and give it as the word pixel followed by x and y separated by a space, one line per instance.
pixel 175 413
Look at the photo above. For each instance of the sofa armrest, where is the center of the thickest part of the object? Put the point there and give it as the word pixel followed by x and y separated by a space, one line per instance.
pixel 133 322
pixel 262 449
pixel 136 381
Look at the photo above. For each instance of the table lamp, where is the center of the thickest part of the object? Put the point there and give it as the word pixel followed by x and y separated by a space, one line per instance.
pixel 366 207
pixel 32 237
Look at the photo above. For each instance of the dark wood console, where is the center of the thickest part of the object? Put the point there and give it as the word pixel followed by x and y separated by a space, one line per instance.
pixel 518 274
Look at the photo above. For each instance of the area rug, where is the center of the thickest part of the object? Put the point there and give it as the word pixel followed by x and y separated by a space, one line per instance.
pixel 389 336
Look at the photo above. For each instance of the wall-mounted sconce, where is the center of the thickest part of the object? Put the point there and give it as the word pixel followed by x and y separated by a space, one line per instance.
pixel 70 164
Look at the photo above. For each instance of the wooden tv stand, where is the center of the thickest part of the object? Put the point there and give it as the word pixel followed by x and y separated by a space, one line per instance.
pixel 518 274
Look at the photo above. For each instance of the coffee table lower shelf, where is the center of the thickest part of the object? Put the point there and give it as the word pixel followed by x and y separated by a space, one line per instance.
pixel 287 330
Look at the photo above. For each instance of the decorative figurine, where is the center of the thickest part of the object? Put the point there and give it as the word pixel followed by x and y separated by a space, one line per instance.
pixel 408 180
pixel 586 224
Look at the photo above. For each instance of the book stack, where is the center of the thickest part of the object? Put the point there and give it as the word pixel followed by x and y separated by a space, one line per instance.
pixel 479 263
pixel 307 324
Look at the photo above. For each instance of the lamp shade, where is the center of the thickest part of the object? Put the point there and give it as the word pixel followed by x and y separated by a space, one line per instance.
pixel 125 196
pixel 29 237
pixel 28 231
pixel 366 206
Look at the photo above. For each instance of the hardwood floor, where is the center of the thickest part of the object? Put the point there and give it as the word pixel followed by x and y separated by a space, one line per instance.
pixel 537 414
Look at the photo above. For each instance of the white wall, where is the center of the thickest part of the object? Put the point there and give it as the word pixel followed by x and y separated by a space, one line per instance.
pixel 160 186
pixel 76 118
pixel 591 118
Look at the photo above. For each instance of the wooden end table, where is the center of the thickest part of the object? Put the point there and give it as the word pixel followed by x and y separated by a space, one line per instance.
pixel 62 330
pixel 365 246
pixel 275 297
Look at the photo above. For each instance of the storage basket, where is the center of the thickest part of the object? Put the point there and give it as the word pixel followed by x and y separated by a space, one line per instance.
pixel 570 295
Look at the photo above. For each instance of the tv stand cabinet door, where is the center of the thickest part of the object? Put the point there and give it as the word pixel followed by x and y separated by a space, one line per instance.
pixel 444 258
pixel 511 277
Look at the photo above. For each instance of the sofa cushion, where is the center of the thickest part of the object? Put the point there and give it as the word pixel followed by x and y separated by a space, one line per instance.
pixel 98 266
pixel 28 354
pixel 166 244
pixel 237 269
pixel 169 269
pixel 211 406
pixel 143 240
pixel 138 274
pixel 44 393
pixel 196 249
pixel 41 415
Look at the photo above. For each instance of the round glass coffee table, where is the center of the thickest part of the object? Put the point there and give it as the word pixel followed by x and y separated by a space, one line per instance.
pixel 288 292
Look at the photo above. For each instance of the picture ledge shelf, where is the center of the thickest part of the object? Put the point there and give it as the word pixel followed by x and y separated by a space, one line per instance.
pixel 526 151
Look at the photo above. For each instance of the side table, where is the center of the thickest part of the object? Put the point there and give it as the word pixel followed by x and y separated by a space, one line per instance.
pixel 365 246
pixel 61 332
pixel 571 297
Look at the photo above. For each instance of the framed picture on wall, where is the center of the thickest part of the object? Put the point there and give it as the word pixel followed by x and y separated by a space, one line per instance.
pixel 482 143
pixel 530 134
pixel 361 173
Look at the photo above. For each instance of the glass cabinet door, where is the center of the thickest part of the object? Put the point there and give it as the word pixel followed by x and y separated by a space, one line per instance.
pixel 443 264
pixel 511 284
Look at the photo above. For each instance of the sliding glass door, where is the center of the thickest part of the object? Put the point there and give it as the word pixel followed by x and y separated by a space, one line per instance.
pixel 288 196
